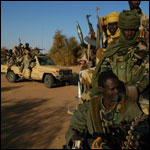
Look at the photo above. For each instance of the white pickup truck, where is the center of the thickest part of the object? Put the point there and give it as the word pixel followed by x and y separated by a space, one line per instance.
pixel 44 70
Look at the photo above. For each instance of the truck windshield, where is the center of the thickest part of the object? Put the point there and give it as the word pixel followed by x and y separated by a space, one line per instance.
pixel 46 61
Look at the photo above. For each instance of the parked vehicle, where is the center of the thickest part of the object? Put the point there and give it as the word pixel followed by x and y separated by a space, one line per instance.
pixel 44 69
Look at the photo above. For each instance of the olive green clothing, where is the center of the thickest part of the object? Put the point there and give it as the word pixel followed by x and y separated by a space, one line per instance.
pixel 127 59
pixel 88 116
pixel 129 19
pixel 130 65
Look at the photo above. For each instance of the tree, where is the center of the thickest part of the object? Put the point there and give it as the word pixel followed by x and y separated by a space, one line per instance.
pixel 65 51
pixel 3 51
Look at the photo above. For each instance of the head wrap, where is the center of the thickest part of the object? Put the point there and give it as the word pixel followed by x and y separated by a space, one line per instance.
pixel 129 19
pixel 112 17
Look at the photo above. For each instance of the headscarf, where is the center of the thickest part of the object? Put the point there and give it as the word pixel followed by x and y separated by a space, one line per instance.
pixel 122 45
pixel 129 19
pixel 110 18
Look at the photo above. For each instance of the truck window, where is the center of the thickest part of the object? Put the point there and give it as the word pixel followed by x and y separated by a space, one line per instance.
pixel 46 61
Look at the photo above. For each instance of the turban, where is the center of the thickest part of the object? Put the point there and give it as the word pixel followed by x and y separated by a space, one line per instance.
pixel 112 17
pixel 129 19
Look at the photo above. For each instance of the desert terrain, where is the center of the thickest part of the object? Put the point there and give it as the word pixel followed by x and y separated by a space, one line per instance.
pixel 33 116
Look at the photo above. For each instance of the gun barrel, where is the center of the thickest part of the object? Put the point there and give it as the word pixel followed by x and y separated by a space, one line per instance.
pixel 79 32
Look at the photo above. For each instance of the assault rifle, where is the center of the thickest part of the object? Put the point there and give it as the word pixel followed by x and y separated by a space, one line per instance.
pixel 91 33
pixel 91 40
pixel 99 38
pixel 80 35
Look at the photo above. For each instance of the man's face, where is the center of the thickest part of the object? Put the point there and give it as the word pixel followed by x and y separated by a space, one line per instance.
pixel 112 27
pixel 134 4
pixel 110 90
pixel 82 62
pixel 129 33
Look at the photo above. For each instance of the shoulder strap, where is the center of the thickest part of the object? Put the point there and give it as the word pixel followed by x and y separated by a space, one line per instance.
pixel 95 105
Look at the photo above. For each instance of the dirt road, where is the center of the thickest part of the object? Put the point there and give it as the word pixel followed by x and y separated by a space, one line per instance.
pixel 33 116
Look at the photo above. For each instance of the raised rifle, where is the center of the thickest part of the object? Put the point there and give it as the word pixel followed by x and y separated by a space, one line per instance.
pixel 99 38
pixel 79 32
pixel 91 33
pixel 91 37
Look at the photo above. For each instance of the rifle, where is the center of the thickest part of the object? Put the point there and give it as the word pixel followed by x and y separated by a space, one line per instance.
pixel 91 37
pixel 92 33
pixel 38 49
pixel 127 135
pixel 99 38
pixel 79 32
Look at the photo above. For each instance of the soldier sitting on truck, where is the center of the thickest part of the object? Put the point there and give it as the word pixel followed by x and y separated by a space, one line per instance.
pixel 17 56
pixel 26 65
pixel 109 24
pixel 27 47
pixel 6 53
pixel 10 58
pixel 112 33
pixel 97 115
pixel 128 58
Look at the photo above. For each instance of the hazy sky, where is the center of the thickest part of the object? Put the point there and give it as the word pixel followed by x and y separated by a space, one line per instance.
pixel 36 22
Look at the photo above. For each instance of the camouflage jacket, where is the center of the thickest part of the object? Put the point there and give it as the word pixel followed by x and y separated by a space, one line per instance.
pixel 10 60
pixel 131 66
pixel 93 117
pixel 143 23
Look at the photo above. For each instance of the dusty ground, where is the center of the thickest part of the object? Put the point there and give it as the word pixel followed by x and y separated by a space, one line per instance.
pixel 33 116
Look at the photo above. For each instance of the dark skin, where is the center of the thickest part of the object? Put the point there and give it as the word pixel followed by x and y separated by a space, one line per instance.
pixel 129 33
pixel 110 92
pixel 134 4
pixel 112 27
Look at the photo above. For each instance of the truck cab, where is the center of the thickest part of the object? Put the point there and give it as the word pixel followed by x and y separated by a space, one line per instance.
pixel 43 69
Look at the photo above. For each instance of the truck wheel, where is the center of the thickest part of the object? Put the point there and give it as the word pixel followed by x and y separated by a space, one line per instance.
pixel 48 80
pixel 11 77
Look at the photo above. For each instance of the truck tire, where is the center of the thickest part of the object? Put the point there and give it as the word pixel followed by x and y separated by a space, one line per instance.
pixel 11 77
pixel 48 80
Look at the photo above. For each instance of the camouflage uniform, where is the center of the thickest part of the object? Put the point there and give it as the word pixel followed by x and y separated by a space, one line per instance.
pixel 10 59
pixel 15 51
pixel 143 23
pixel 16 54
pixel 26 62
pixel 87 75
pixel 92 117
pixel 129 60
